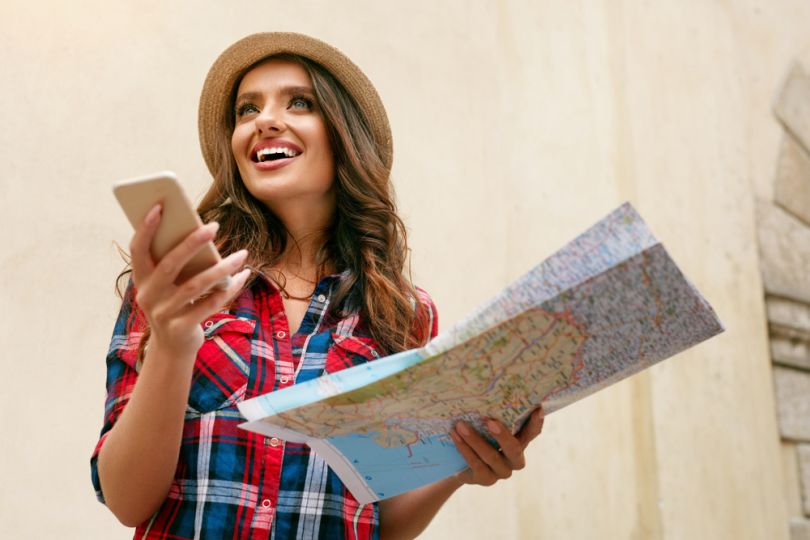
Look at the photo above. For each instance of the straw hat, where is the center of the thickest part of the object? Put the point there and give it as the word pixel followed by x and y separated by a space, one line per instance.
pixel 215 106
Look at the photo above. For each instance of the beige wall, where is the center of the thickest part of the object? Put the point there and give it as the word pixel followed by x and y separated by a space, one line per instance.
pixel 516 125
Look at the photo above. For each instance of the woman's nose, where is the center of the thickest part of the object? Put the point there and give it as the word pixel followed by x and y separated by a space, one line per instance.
pixel 269 121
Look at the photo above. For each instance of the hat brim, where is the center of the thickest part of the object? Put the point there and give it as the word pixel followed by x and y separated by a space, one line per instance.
pixel 230 66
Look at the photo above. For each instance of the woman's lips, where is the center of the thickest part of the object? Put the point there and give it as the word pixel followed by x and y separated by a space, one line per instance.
pixel 274 146
pixel 274 164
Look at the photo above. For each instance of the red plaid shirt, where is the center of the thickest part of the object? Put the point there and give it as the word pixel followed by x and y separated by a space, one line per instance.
pixel 231 483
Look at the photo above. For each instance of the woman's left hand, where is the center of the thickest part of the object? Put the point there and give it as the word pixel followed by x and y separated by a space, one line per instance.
pixel 486 463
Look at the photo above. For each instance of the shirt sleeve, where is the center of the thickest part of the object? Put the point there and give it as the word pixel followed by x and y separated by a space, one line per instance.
pixel 122 372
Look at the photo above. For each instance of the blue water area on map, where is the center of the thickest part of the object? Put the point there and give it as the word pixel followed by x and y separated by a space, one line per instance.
pixel 390 471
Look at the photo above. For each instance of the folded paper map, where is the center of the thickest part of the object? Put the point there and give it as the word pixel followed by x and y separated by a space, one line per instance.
pixel 607 305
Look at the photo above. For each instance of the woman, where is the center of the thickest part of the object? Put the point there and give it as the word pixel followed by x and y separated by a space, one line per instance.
pixel 299 146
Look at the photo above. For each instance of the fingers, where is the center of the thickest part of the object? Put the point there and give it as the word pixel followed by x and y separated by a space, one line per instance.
pixel 204 307
pixel 511 447
pixel 478 472
pixel 158 294
pixel 201 283
pixel 142 263
pixel 487 463
pixel 170 266
pixel 157 286
pixel 532 428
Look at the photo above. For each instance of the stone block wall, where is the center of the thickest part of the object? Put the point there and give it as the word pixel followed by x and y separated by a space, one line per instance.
pixel 784 242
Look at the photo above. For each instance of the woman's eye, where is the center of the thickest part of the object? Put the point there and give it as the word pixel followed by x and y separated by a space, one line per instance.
pixel 301 103
pixel 246 108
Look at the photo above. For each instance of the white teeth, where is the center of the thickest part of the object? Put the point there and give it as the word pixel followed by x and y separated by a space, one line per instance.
pixel 265 152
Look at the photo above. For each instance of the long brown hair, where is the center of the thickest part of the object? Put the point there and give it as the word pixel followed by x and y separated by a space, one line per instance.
pixel 367 242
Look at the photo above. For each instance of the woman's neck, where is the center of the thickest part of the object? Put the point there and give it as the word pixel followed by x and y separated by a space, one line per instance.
pixel 307 225
pixel 302 256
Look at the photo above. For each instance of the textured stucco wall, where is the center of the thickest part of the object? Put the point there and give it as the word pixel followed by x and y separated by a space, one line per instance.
pixel 516 125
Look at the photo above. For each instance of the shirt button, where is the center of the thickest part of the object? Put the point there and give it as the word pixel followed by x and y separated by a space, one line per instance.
pixel 267 503
pixel 284 379
pixel 321 298
pixel 274 442
pixel 281 334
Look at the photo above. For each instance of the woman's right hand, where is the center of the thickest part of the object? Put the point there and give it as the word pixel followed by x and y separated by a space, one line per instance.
pixel 175 312
pixel 138 460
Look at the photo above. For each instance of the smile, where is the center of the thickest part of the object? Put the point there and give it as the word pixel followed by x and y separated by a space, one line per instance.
pixel 274 153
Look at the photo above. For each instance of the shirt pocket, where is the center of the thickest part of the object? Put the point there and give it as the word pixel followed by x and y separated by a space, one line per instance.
pixel 222 366
pixel 349 351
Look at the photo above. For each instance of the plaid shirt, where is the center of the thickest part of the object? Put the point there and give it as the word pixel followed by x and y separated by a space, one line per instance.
pixel 231 483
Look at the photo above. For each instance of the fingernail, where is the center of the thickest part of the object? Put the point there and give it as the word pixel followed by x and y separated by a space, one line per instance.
pixel 241 276
pixel 493 427
pixel 236 259
pixel 153 214
pixel 207 230
pixel 462 427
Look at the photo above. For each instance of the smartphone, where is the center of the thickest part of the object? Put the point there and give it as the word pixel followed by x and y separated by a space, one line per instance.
pixel 179 219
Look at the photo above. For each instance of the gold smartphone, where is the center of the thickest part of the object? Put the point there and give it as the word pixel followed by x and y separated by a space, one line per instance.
pixel 179 219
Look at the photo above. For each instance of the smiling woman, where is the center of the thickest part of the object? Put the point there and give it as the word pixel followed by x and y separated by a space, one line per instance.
pixel 299 147
pixel 281 144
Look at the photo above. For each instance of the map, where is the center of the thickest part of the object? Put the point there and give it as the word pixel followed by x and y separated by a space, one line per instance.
pixel 607 305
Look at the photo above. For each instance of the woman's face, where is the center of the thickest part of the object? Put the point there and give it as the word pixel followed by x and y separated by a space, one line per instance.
pixel 280 141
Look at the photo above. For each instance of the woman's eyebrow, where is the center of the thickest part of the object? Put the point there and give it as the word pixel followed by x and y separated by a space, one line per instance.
pixel 283 91
pixel 248 96
pixel 293 90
